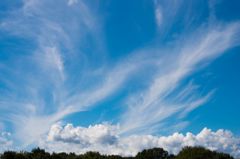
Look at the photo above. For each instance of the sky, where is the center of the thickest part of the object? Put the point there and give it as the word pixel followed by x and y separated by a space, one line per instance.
pixel 119 76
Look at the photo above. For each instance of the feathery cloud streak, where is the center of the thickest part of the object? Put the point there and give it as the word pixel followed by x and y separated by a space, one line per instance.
pixel 154 105
pixel 46 93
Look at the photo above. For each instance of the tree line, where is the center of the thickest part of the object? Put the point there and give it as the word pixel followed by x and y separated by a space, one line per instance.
pixel 154 153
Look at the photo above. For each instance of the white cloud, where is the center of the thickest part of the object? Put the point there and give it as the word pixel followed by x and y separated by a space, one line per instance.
pixel 158 15
pixel 1 126
pixel 72 2
pixel 105 139
pixel 58 34
pixel 97 134
pixel 43 68
pixel 5 142
pixel 157 102
pixel 51 58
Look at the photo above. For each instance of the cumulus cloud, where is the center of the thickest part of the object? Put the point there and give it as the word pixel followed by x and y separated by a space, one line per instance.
pixel 5 142
pixel 105 139
pixel 97 134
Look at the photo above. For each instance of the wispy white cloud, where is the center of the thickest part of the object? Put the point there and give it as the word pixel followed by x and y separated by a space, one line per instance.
pixel 166 12
pixel 153 105
pixel 41 97
pixel 72 2
pixel 158 15
pixel 50 58
pixel 49 90
pixel 105 139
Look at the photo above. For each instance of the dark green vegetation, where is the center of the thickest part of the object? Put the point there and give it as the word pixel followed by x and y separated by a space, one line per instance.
pixel 155 153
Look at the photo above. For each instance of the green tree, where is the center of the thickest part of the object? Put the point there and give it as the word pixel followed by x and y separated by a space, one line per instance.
pixel 8 155
pixel 38 153
pixel 155 153
pixel 92 155
pixel 201 153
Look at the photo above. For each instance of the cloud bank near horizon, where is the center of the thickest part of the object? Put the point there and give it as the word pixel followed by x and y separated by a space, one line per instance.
pixel 5 141
pixel 105 139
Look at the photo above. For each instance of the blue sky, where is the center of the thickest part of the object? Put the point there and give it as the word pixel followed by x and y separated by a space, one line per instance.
pixel 113 71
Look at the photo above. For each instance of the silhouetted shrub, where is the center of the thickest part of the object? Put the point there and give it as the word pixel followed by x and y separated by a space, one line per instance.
pixel 201 153
pixel 155 153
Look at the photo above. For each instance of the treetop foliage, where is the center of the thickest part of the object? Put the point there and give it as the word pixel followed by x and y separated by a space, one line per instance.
pixel 154 153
